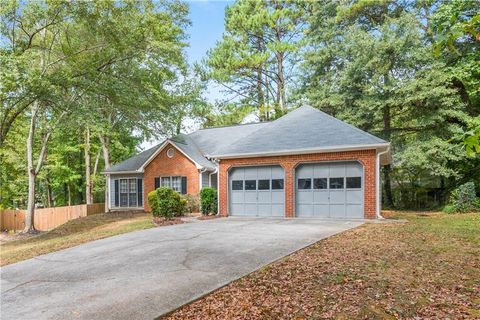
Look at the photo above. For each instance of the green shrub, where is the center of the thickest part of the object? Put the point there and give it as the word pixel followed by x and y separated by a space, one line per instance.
pixel 153 202
pixel 192 204
pixel 449 208
pixel 208 201
pixel 463 198
pixel 170 204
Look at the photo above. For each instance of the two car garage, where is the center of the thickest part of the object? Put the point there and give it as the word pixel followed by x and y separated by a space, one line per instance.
pixel 322 190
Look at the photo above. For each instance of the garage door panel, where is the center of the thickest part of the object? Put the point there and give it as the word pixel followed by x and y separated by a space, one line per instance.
pixel 330 202
pixel 278 210
pixel 277 172
pixel 337 211
pixel 305 210
pixel 320 171
pixel 337 170
pixel 263 202
pixel 250 173
pixel 264 197
pixel 305 196
pixel 321 210
pixel 237 197
pixel 250 209
pixel 264 173
pixel 278 197
pixel 304 172
pixel 354 169
pixel 354 211
pixel 354 196
pixel 237 209
pixel 264 210
pixel 337 197
pixel 321 197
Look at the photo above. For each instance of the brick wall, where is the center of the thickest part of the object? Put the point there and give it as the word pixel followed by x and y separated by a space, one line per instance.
pixel 366 157
pixel 178 165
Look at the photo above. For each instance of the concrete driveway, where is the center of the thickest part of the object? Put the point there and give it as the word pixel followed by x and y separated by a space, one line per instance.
pixel 144 274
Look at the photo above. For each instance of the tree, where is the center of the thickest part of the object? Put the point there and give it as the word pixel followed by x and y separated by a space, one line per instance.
pixel 65 63
pixel 257 57
pixel 372 64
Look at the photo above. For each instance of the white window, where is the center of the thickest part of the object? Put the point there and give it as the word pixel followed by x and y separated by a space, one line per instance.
pixel 166 182
pixel 170 153
pixel 123 186
pixel 177 184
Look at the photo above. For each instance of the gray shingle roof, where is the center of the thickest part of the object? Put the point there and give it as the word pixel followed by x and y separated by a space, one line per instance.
pixel 134 163
pixel 305 128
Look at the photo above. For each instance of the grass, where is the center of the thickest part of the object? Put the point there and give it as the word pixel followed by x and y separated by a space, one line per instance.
pixel 73 233
pixel 428 267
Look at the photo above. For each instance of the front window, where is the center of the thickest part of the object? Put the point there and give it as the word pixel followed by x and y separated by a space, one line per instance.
pixel 129 193
pixel 166 182
pixel 336 183
pixel 304 184
pixel 177 184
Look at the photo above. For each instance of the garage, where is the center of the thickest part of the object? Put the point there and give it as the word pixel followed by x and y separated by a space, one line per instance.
pixel 329 190
pixel 257 191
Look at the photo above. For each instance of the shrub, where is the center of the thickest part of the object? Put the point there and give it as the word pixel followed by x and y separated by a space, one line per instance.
pixel 463 199
pixel 170 204
pixel 153 202
pixel 192 204
pixel 208 201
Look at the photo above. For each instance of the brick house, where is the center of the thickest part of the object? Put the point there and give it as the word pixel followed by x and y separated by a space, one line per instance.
pixel 304 164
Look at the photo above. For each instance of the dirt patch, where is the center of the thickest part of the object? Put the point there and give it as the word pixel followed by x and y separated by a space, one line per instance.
pixel 12 236
pixel 428 268
pixel 159 222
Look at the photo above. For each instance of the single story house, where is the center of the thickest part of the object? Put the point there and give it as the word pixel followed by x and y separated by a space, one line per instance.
pixel 304 164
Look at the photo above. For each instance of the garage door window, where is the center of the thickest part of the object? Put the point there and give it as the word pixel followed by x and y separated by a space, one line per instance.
pixel 263 184
pixel 277 184
pixel 304 184
pixel 336 183
pixel 354 182
pixel 237 184
pixel 250 184
pixel 320 183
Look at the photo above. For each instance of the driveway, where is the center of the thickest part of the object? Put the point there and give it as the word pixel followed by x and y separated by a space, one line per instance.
pixel 144 274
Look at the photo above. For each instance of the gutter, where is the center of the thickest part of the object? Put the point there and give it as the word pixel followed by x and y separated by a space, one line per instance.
pixel 378 196
pixel 300 151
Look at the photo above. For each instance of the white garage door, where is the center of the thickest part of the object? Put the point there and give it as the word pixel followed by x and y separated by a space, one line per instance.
pixel 257 191
pixel 329 190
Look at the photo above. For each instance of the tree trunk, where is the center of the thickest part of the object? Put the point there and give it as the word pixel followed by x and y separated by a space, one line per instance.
pixel 49 192
pixel 106 159
pixel 387 181
pixel 69 194
pixel 32 174
pixel 88 178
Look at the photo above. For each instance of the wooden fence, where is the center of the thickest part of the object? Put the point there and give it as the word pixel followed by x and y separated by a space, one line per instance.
pixel 47 218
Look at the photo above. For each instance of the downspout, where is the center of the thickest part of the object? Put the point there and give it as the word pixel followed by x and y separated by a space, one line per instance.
pixel 378 206
pixel 201 177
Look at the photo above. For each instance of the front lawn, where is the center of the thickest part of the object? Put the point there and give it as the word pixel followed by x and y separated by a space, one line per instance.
pixel 428 267
pixel 73 233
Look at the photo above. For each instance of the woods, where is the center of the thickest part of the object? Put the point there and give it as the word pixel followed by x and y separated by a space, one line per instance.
pixel 83 84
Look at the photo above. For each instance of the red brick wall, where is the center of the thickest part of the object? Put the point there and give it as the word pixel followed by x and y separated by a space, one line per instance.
pixel 178 165
pixel 366 157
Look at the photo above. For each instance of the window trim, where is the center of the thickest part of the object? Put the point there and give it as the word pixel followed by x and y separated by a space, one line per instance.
pixel 128 194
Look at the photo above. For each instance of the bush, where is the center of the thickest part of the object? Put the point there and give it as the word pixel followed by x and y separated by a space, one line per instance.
pixel 208 201
pixel 192 204
pixel 170 204
pixel 463 199
pixel 153 202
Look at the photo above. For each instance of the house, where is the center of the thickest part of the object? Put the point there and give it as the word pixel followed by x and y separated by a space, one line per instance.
pixel 304 164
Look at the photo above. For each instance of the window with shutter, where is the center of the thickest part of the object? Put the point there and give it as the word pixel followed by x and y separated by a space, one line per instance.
pixel 157 183
pixel 184 185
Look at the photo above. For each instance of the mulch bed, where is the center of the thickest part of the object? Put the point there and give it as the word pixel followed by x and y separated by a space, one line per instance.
pixel 208 217
pixel 390 271
pixel 159 222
